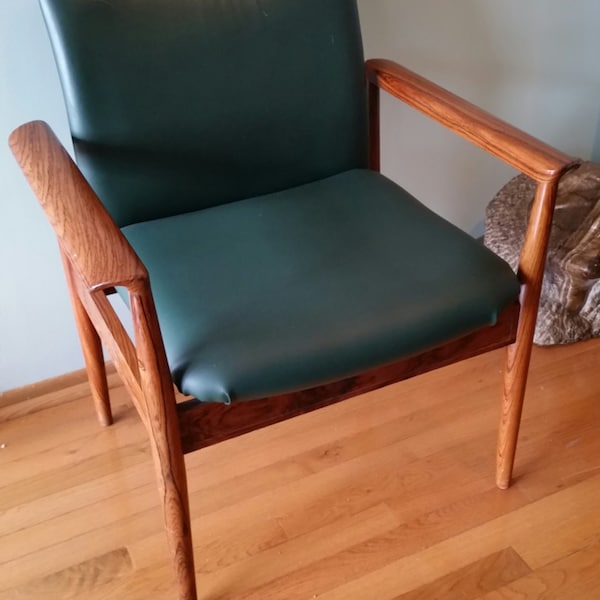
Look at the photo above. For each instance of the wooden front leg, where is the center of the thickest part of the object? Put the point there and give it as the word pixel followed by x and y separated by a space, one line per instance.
pixel 531 270
pixel 159 406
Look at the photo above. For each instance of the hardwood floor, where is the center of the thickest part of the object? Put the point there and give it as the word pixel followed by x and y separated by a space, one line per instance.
pixel 389 496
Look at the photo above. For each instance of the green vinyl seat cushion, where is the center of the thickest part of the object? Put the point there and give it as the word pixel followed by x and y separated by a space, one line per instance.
pixel 302 287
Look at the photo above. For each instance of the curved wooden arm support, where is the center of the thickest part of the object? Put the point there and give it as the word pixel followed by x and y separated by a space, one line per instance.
pixel 87 234
pixel 538 160
pixel 97 257
pixel 515 147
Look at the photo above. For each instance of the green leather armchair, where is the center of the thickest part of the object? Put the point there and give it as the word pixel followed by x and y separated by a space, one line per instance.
pixel 227 183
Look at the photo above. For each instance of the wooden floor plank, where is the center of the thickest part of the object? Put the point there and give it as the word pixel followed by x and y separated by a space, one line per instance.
pixel 379 550
pixel 394 570
pixel 24 403
pixel 575 577
pixel 470 582
pixel 74 581
pixel 387 496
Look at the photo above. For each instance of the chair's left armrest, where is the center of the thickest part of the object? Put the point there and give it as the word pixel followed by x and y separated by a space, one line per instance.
pixel 87 234
pixel 520 150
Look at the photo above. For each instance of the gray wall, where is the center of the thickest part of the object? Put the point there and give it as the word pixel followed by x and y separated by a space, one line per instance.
pixel 37 334
pixel 596 148
pixel 532 62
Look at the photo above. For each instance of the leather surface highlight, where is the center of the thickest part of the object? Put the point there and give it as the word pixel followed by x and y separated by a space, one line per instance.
pixel 176 106
pixel 303 287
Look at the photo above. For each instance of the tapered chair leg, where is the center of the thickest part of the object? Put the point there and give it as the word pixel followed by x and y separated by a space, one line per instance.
pixel 515 380
pixel 92 352
pixel 531 273
pixel 172 484
pixel 162 425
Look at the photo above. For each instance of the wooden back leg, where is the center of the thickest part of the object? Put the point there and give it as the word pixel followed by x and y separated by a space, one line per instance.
pixel 92 351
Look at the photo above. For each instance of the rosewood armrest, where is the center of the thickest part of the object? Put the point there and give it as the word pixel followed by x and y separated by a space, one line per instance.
pixel 98 251
pixel 538 160
pixel 520 150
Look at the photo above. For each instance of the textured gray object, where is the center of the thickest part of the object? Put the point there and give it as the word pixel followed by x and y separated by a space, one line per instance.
pixel 570 302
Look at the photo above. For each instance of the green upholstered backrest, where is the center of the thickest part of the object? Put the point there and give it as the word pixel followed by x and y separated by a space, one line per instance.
pixel 177 105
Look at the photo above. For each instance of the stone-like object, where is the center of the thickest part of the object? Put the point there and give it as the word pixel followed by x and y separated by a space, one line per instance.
pixel 570 302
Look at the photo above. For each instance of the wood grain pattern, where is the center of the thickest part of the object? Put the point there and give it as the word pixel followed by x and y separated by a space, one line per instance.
pixel 515 147
pixel 25 400
pixel 116 341
pixel 46 387
pixel 530 272
pixel 576 577
pixel 382 496
pixel 97 258
pixel 470 582
pixel 92 349
pixel 75 581
pixel 165 442
pixel 529 155
pixel 202 425
pixel 92 241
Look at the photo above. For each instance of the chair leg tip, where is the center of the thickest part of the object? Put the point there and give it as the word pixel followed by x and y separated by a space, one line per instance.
pixel 503 480
pixel 105 421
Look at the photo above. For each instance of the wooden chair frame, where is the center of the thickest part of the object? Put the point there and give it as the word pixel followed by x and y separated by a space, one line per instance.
pixel 97 257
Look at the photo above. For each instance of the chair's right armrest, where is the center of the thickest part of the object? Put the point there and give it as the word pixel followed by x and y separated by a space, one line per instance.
pixel 94 244
pixel 520 150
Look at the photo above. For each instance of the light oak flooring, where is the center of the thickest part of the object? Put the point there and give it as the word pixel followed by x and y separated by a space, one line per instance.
pixel 389 496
